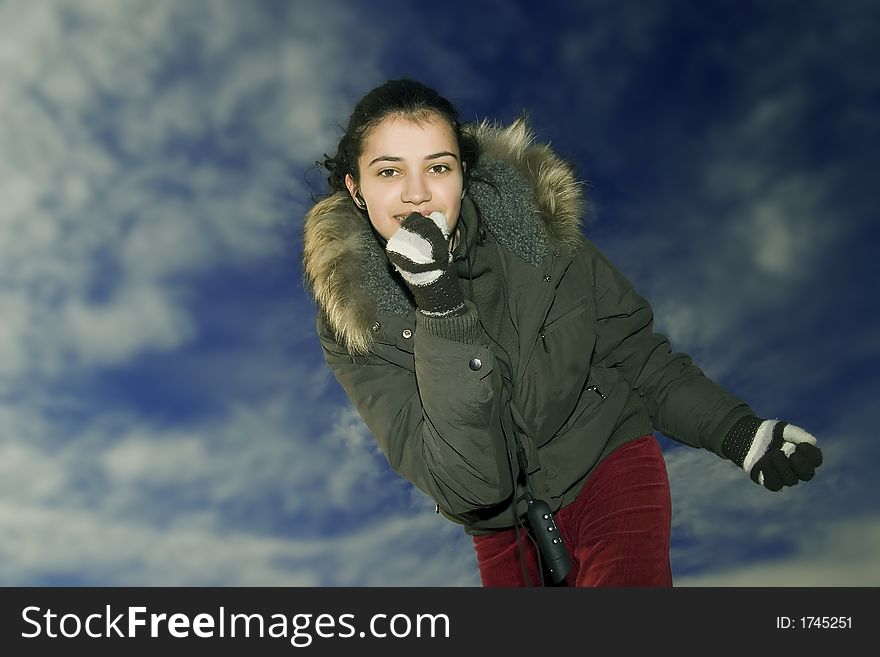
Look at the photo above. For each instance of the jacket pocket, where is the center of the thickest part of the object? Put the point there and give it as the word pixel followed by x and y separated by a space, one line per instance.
pixel 391 353
pixel 588 406
pixel 558 370
pixel 560 321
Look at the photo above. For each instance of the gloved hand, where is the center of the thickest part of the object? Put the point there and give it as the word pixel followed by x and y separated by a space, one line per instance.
pixel 420 253
pixel 774 453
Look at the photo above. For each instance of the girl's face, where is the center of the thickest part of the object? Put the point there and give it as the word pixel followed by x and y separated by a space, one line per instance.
pixel 409 167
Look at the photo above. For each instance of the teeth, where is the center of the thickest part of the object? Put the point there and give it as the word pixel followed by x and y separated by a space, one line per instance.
pixel 401 217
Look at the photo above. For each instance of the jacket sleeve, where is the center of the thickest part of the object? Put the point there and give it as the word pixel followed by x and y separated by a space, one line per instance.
pixel 439 427
pixel 681 400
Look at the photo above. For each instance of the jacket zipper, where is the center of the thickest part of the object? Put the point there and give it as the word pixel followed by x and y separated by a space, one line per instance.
pixel 596 389
pixel 544 342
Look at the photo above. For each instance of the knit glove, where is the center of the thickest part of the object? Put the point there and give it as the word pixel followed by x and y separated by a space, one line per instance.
pixel 419 251
pixel 773 452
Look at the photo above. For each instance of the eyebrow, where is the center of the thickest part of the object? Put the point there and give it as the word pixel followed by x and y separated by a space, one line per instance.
pixel 391 158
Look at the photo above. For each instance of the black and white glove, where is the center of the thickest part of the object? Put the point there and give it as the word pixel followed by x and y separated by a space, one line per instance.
pixel 419 251
pixel 773 452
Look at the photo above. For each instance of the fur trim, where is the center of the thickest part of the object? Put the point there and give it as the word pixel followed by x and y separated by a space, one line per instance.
pixel 348 274
pixel 332 248
pixel 557 192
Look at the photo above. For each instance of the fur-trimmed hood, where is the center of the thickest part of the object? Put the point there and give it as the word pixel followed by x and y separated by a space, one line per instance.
pixel 515 181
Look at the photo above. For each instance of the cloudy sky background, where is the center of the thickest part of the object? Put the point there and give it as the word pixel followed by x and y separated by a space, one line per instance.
pixel 166 417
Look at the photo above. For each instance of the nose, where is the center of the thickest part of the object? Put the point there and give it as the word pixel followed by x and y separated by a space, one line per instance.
pixel 415 190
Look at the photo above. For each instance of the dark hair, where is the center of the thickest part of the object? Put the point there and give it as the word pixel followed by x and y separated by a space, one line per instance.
pixel 406 98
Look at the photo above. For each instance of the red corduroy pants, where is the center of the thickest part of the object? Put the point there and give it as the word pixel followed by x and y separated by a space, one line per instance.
pixel 617 530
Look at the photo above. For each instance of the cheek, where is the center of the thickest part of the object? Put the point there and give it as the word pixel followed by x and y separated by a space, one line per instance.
pixel 381 221
pixel 455 209
pixel 378 202
pixel 454 205
pixel 384 227
pixel 376 195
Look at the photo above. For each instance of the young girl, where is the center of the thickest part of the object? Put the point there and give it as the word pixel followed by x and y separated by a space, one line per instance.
pixel 503 363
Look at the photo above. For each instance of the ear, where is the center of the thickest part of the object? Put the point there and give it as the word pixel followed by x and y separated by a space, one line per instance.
pixel 351 185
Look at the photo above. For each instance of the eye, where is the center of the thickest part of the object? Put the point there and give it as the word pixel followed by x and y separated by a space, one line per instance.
pixel 382 173
pixel 443 168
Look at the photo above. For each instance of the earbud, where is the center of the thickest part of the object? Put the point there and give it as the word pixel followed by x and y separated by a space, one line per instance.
pixel 359 201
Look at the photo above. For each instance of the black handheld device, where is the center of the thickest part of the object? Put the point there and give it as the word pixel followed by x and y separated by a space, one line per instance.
pixel 550 543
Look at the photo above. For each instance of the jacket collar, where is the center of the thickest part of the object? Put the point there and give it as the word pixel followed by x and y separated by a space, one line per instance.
pixel 524 194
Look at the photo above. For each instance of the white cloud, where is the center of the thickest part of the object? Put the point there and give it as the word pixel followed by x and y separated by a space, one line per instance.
pixel 41 543
pixel 248 499
pixel 141 143
pixel 14 323
pixel 45 542
pixel 778 214
pixel 255 452
pixel 409 550
pixel 29 474
pixel 361 470
pixel 844 553
pixel 732 257
pixel 155 460
pixel 142 318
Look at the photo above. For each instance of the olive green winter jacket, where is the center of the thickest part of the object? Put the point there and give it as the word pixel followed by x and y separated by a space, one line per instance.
pixel 591 374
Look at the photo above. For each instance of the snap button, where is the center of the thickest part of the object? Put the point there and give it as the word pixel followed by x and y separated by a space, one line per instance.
pixel 547 278
pixel 376 326
pixel 557 254
pixel 475 364
pixel 407 333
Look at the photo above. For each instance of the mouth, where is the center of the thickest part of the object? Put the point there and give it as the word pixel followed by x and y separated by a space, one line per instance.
pixel 424 213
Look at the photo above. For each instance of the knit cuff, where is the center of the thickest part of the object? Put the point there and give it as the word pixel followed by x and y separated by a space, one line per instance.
pixel 738 441
pixel 460 327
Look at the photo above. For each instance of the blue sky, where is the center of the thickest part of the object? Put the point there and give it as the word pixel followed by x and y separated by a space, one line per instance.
pixel 166 417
